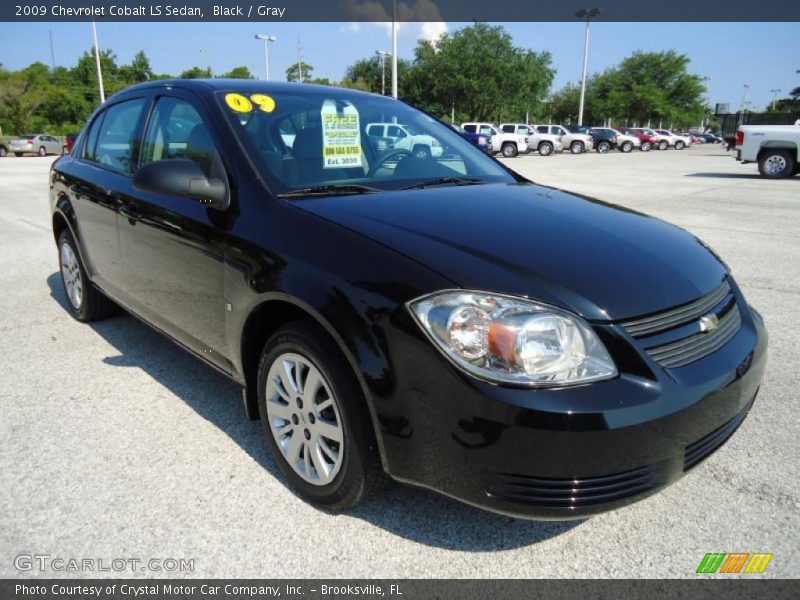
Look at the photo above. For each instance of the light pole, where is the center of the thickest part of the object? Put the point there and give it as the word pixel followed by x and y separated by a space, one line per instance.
pixel 746 87
pixel 588 14
pixel 267 39
pixel 775 93
pixel 382 54
pixel 97 62
pixel 703 118
pixel 394 48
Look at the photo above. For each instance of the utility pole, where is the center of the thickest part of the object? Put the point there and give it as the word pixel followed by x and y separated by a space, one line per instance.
pixel 744 96
pixel 382 54
pixel 775 97
pixel 702 119
pixel 52 53
pixel 299 61
pixel 394 48
pixel 588 13
pixel 267 39
pixel 97 62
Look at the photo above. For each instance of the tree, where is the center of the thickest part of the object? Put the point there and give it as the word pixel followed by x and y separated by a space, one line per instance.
pixel 368 72
pixel 138 70
pixel 240 72
pixel 478 72
pixel 304 73
pixel 19 99
pixel 196 73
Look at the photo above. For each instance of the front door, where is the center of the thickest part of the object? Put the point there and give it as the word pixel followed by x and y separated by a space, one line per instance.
pixel 173 247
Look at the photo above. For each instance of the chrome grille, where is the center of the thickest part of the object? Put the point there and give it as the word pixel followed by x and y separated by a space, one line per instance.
pixel 676 337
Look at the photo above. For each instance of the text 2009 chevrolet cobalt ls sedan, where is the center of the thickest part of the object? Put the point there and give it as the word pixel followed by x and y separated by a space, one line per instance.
pixel 441 319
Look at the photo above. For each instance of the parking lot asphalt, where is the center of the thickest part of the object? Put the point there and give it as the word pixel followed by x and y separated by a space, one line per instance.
pixel 114 443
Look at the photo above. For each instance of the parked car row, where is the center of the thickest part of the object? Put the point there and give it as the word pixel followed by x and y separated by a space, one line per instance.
pixel 512 139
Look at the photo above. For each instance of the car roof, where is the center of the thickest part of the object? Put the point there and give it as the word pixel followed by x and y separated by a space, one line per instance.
pixel 250 86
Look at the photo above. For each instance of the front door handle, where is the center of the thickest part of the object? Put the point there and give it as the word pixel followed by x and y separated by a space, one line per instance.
pixel 130 213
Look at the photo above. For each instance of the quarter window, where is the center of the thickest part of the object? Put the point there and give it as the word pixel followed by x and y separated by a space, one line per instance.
pixel 113 145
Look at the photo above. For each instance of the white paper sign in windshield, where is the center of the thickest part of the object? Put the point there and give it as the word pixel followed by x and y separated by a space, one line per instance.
pixel 341 136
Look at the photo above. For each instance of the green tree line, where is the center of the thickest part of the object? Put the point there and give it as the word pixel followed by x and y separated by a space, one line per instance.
pixel 474 73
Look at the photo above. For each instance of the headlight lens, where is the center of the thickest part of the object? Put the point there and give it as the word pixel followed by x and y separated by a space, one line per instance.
pixel 513 340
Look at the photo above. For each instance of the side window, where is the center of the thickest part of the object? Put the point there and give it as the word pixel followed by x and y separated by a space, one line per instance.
pixel 115 136
pixel 508 129
pixel 542 129
pixel 396 132
pixel 176 130
pixel 486 130
pixel 560 131
pixel 470 128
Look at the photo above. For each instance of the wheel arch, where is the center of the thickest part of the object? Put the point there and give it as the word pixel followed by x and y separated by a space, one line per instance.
pixel 264 319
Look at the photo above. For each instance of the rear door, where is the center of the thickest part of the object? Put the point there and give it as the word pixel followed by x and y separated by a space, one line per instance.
pixel 173 247
pixel 99 180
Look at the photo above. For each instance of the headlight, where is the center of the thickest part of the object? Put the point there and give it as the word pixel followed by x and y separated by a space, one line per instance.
pixel 512 340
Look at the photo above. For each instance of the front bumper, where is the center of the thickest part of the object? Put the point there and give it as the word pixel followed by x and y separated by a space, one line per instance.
pixel 565 453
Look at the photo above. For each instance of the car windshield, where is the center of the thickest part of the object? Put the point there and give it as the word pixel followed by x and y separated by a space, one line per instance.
pixel 325 139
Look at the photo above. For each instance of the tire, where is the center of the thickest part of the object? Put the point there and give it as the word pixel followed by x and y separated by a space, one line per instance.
pixel 577 147
pixel 545 149
pixel 776 164
pixel 626 147
pixel 84 302
pixel 343 473
pixel 422 152
pixel 603 147
pixel 3 151
pixel 646 147
pixel 679 145
pixel 509 150
pixel 42 151
pixel 663 145
pixel 17 154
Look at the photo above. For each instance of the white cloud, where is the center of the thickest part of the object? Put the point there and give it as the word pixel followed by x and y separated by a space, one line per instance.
pixel 432 30
pixel 352 27
pixel 422 18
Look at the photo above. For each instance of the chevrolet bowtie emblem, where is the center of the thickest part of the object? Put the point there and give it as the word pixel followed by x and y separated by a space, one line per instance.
pixel 708 323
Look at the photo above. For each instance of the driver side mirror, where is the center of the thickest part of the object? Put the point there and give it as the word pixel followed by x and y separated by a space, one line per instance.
pixel 182 177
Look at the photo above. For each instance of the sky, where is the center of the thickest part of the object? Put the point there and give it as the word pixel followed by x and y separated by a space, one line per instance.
pixel 765 56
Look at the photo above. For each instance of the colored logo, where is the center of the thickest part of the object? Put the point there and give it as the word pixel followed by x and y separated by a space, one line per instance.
pixel 734 562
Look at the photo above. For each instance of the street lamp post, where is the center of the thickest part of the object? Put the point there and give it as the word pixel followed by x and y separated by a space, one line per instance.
pixel 588 14
pixel 746 87
pixel 394 48
pixel 382 54
pixel 775 93
pixel 703 118
pixel 97 63
pixel 266 39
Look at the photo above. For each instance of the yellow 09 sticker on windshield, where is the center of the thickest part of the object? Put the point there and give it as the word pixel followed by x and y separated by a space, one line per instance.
pixel 238 103
pixel 264 102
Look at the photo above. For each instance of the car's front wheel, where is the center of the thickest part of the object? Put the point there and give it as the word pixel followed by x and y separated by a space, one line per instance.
pixel 42 151
pixel 509 150
pixel 776 164
pixel 576 147
pixel 545 149
pixel 646 146
pixel 663 145
pixel 603 147
pixel 422 152
pixel 680 145
pixel 84 302
pixel 3 151
pixel 315 418
pixel 626 147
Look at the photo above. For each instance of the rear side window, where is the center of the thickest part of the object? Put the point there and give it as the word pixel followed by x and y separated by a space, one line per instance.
pixel 113 145
pixel 542 129
pixel 470 128
pixel 508 129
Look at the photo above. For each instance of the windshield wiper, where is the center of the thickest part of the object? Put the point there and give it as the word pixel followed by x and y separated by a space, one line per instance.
pixel 444 181
pixel 330 190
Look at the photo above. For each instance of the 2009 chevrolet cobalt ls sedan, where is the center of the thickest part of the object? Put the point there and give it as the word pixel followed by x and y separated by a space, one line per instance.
pixel 437 318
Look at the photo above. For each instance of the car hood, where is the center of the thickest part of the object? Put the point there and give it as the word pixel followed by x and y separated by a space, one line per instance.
pixel 601 261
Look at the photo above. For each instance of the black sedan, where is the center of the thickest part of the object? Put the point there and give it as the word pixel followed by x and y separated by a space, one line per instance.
pixel 439 319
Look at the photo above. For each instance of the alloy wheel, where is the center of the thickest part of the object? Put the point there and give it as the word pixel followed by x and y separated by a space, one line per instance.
pixel 304 418
pixel 71 274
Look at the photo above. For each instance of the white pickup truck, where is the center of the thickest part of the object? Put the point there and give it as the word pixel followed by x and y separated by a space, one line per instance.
pixel 510 144
pixel 776 148
pixel 544 143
